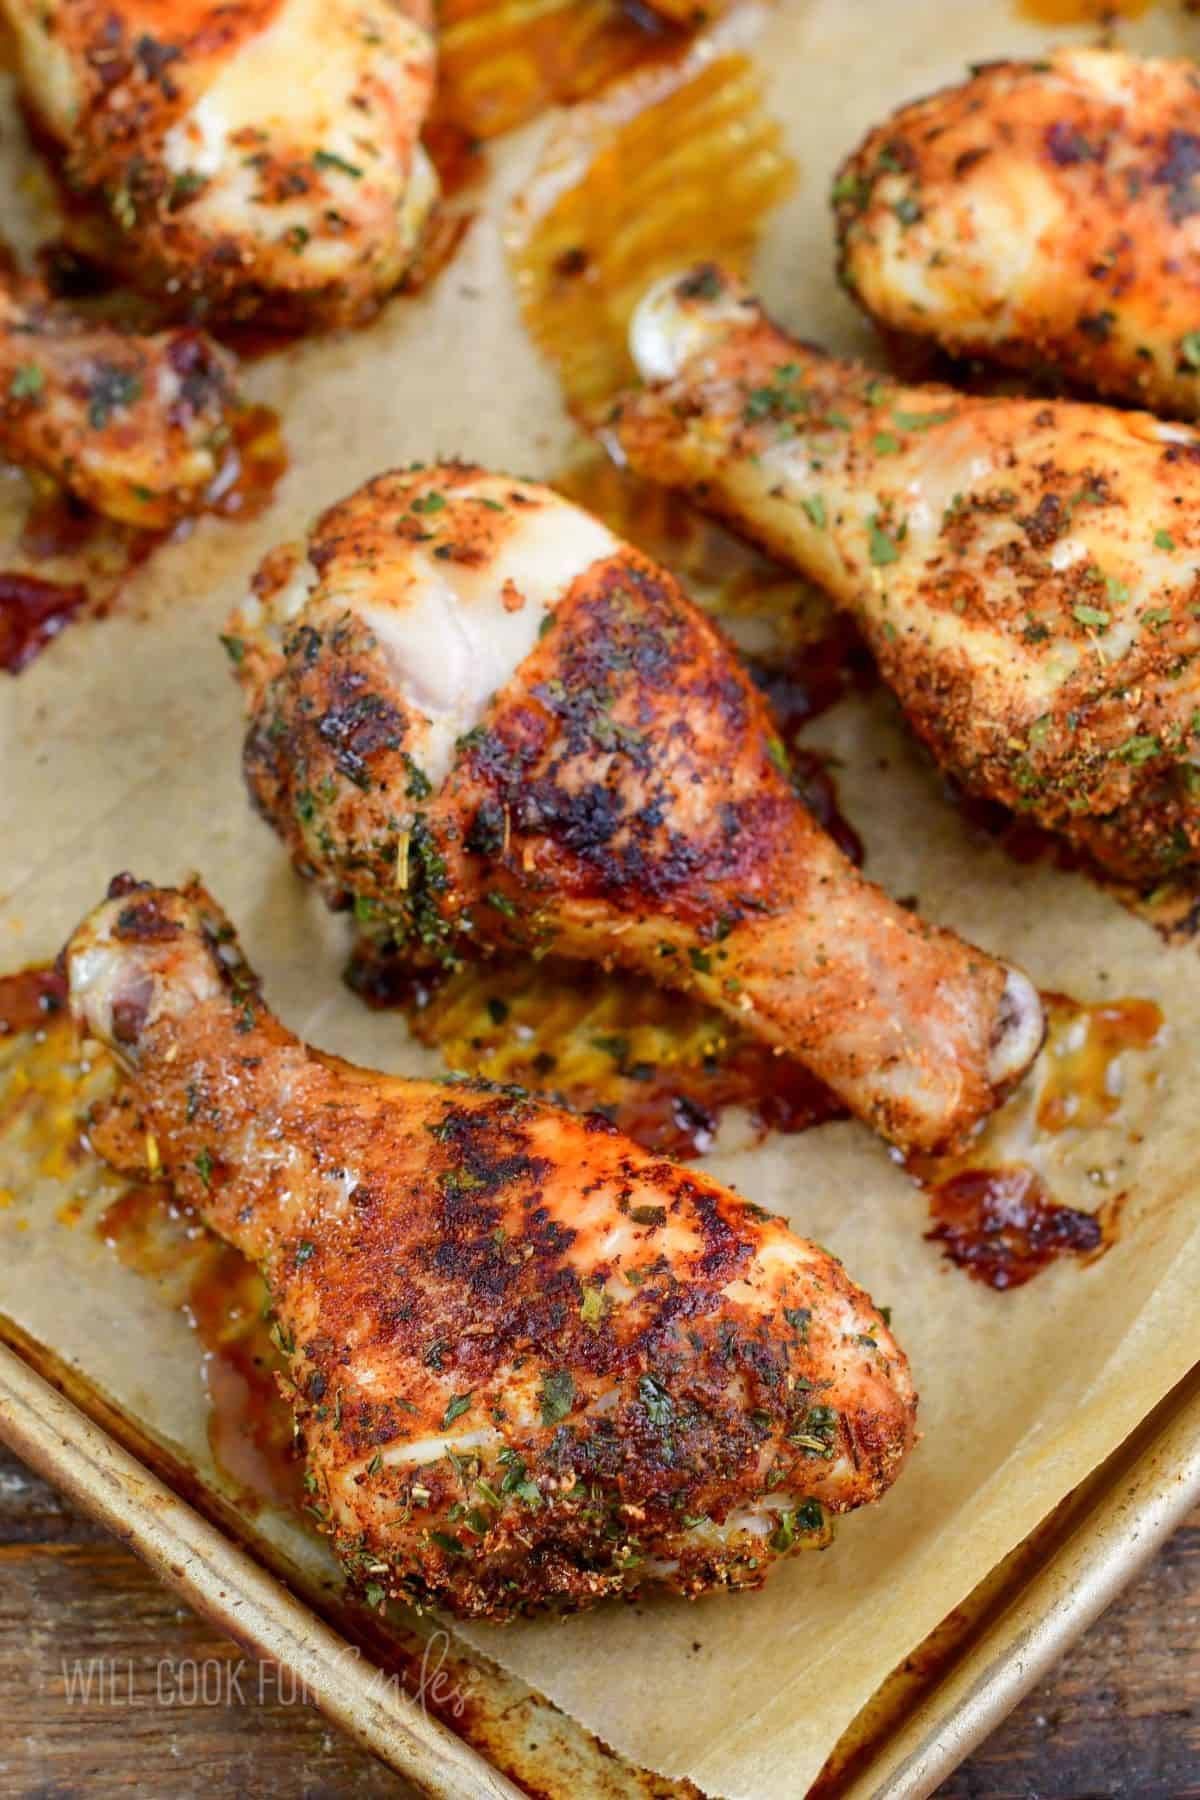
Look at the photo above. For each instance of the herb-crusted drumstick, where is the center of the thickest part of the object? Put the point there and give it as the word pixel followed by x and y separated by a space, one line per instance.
pixel 532 1364
pixel 137 425
pixel 477 713
pixel 1045 214
pixel 1026 573
pixel 259 160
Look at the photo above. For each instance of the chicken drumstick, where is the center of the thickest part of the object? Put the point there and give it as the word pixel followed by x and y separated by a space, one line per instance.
pixel 1025 573
pixel 477 712
pixel 531 1363
pixel 1045 214
pixel 136 424
pixel 256 159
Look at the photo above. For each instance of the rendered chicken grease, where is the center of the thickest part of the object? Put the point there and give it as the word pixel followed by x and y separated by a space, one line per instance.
pixel 1023 570
pixel 478 712
pixel 638 1375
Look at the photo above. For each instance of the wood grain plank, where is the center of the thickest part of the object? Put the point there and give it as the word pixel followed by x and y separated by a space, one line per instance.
pixel 177 1712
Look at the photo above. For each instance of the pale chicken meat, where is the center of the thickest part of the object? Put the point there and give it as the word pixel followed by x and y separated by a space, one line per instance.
pixel 477 715
pixel 1026 573
pixel 138 425
pixel 257 160
pixel 531 1364
pixel 1045 214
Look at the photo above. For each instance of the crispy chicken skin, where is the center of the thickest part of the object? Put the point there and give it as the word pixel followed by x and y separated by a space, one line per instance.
pixel 1043 214
pixel 258 159
pixel 1025 573
pixel 476 712
pixel 531 1363
pixel 138 426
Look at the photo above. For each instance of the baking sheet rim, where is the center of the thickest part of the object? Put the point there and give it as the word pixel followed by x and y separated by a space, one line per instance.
pixel 227 1585
pixel 1142 1496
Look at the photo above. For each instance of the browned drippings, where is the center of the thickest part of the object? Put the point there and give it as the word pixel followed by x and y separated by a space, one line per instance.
pixel 998 1220
pixel 31 998
pixel 624 193
pixel 32 611
pixel 256 462
pixel 662 1066
pixel 45 1095
pixel 799 685
pixel 68 273
pixel 102 554
pixel 250 1429
pixel 1080 12
pixel 501 62
pixel 1019 838
pixel 457 155
pixel 57 524
pixel 810 677
pixel 704 555
pixel 1001 1225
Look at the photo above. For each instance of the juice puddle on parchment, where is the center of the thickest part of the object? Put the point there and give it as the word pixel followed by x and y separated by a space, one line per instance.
pixel 623 194
pixel 1044 1177
pixel 1080 12
pixel 45 1088
pixel 663 1066
pixel 249 1425
pixel 501 62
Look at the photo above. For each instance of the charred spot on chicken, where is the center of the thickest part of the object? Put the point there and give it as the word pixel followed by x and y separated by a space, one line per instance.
pixel 473 712
pixel 532 1364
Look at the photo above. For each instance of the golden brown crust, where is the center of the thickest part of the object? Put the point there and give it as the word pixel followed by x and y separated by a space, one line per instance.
pixel 622 797
pixel 1045 214
pixel 222 200
pixel 137 425
pixel 1025 571
pixel 616 1369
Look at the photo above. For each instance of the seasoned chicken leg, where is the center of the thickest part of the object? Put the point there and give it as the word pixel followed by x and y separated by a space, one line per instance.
pixel 531 1363
pixel 136 425
pixel 1026 574
pixel 477 712
pixel 260 159
pixel 1046 214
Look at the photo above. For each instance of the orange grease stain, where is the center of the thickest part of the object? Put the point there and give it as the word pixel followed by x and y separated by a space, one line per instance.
pixel 1000 1221
pixel 257 461
pixel 502 62
pixel 223 1296
pixel 1083 1083
pixel 1080 12
pixel 31 999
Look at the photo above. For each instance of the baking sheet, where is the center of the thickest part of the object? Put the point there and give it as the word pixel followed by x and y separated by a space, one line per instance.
pixel 120 749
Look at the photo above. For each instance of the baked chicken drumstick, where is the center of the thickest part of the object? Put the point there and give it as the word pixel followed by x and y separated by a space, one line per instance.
pixel 260 159
pixel 137 425
pixel 1025 573
pixel 531 1363
pixel 479 714
pixel 1045 214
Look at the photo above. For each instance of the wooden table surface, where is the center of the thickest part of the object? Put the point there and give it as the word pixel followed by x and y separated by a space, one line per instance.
pixel 182 1714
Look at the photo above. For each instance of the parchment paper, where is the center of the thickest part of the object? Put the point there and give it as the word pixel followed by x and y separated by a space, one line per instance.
pixel 120 749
